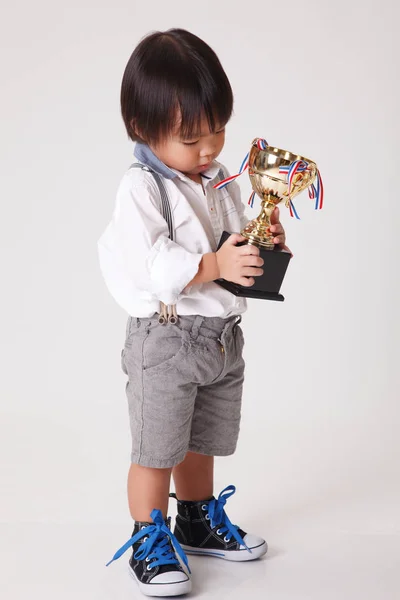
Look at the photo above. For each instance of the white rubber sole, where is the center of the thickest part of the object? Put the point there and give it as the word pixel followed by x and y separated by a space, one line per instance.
pixel 234 555
pixel 162 589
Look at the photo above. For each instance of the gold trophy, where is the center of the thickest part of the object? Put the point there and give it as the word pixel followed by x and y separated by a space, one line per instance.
pixel 276 176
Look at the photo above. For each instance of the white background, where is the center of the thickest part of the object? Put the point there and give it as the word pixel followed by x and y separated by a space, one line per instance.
pixel 317 467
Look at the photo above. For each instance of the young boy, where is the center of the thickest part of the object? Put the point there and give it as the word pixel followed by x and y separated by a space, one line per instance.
pixel 185 376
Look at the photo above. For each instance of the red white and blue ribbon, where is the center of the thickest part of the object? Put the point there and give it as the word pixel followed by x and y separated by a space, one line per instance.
pixel 225 182
pixel 298 166
pixel 251 199
pixel 314 192
pixel 261 145
pixel 317 192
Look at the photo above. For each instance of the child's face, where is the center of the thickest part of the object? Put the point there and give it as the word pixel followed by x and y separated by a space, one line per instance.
pixel 191 156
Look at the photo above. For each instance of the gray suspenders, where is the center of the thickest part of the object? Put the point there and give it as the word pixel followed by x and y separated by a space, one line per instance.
pixel 167 313
pixel 165 203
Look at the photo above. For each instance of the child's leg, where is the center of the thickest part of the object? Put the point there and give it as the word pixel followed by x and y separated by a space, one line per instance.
pixel 202 525
pixel 147 489
pixel 194 477
pixel 154 563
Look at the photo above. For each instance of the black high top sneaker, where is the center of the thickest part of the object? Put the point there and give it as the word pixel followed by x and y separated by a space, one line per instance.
pixel 204 528
pixel 158 564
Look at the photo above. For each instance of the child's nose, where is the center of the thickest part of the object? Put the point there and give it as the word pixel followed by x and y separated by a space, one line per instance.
pixel 208 150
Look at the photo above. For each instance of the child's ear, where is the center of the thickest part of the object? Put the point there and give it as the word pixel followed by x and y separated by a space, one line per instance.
pixel 137 133
pixel 134 129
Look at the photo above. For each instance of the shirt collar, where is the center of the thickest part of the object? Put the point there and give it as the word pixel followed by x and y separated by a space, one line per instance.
pixel 147 157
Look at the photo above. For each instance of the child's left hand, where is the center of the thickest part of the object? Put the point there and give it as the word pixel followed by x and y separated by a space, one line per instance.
pixel 278 231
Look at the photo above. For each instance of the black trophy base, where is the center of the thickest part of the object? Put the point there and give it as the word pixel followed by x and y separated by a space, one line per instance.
pixel 267 285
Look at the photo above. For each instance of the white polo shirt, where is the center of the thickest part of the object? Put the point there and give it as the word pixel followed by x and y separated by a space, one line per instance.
pixel 142 266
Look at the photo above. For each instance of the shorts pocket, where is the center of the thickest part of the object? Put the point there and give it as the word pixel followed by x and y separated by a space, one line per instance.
pixel 164 347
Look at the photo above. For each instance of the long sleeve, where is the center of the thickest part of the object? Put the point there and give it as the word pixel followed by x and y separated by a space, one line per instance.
pixel 156 264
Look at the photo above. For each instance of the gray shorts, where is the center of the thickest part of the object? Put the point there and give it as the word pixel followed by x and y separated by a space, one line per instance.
pixel 184 388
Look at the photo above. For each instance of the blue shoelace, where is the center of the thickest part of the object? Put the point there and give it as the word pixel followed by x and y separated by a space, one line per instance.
pixel 218 516
pixel 157 547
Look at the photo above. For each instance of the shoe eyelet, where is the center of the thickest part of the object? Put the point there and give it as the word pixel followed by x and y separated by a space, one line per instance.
pixel 204 507
pixel 219 532
pixel 147 559
pixel 143 527
pixel 149 568
pixel 227 540
pixel 207 517
pixel 145 539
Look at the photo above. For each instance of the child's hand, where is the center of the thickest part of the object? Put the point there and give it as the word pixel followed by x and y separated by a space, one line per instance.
pixel 278 231
pixel 239 264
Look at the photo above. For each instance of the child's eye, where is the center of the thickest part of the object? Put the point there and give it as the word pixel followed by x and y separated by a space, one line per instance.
pixel 197 141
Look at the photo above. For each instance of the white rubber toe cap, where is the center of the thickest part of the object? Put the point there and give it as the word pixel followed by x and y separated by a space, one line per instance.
pixel 253 541
pixel 257 545
pixel 172 583
pixel 170 577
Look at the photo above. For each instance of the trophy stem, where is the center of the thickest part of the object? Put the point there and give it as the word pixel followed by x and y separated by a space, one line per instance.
pixel 257 232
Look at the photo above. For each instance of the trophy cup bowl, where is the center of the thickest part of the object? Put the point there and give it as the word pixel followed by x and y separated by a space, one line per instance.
pixel 273 188
pixel 268 172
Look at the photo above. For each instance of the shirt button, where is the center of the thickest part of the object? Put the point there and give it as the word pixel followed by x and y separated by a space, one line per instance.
pixel 211 208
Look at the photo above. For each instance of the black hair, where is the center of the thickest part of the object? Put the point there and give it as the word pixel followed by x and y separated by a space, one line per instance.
pixel 171 73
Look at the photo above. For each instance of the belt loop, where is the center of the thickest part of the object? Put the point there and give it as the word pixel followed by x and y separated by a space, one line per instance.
pixel 196 326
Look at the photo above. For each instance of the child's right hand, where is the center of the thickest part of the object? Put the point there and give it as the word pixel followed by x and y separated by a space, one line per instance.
pixel 239 264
